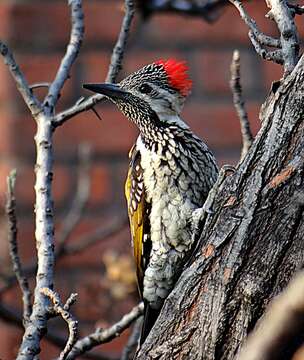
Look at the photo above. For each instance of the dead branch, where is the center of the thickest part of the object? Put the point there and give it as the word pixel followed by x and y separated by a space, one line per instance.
pixel 114 67
pixel 282 15
pixel 101 336
pixel 287 52
pixel 239 103
pixel 119 48
pixel 39 85
pixel 44 232
pixel 63 311
pixel 81 197
pixel 258 38
pixel 276 330
pixel 77 32
pixel 12 238
pixel 22 85
pixel 12 317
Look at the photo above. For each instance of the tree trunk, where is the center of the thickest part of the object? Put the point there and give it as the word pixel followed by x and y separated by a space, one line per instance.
pixel 251 244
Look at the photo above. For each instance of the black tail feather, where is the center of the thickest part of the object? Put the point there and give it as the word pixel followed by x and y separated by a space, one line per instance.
pixel 150 316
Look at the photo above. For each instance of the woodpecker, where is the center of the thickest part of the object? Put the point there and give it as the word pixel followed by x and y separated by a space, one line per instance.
pixel 170 174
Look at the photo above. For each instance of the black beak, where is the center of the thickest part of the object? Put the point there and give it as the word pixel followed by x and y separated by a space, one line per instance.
pixel 110 90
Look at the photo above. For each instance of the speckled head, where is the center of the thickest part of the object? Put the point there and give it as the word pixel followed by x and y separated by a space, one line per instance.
pixel 151 95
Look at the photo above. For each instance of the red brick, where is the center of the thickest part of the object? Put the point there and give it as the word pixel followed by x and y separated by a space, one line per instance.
pixel 101 189
pixel 43 68
pixel 8 132
pixel 94 65
pixel 271 72
pixel 212 69
pixel 50 25
pixel 179 29
pixel 5 14
pixel 40 26
pixel 217 124
pixel 113 134
pixel 103 20
pixel 93 254
pixel 10 340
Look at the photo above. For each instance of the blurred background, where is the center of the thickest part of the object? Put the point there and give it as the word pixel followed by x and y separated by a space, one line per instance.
pixel 37 32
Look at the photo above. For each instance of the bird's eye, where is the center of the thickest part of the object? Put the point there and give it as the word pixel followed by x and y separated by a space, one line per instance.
pixel 145 89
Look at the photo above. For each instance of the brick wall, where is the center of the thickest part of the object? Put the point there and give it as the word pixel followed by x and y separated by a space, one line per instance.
pixel 38 35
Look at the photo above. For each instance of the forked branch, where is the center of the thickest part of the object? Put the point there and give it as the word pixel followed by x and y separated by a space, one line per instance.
pixel 116 59
pixel 101 336
pixel 287 47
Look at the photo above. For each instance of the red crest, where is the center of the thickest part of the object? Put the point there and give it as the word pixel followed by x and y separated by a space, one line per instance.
pixel 177 73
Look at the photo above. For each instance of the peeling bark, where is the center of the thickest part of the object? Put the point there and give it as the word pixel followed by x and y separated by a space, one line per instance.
pixel 250 246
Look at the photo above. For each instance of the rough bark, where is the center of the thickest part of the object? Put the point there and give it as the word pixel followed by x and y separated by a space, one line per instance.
pixel 251 244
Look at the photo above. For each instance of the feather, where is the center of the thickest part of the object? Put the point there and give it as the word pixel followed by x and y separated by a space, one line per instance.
pixel 138 211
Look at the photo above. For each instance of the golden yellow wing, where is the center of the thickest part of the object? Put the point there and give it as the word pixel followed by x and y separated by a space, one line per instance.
pixel 138 211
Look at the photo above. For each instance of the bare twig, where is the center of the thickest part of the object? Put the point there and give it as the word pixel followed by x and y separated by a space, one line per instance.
pixel 39 85
pixel 81 198
pixel 101 336
pixel 77 32
pixel 119 48
pixel 287 52
pixel 283 320
pixel 258 38
pixel 114 67
pixel 44 232
pixel 261 37
pixel 22 85
pixel 132 342
pixel 239 103
pixel 275 56
pixel 12 317
pixel 62 310
pixel 12 237
pixel 282 15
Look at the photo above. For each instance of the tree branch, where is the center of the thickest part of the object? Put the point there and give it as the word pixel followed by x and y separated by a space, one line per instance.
pixel 258 38
pixel 10 316
pixel 114 67
pixel 239 103
pixel 119 48
pixel 282 15
pixel 103 336
pixel 44 232
pixel 22 85
pixel 281 323
pixel 12 237
pixel 63 311
pixel 72 51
